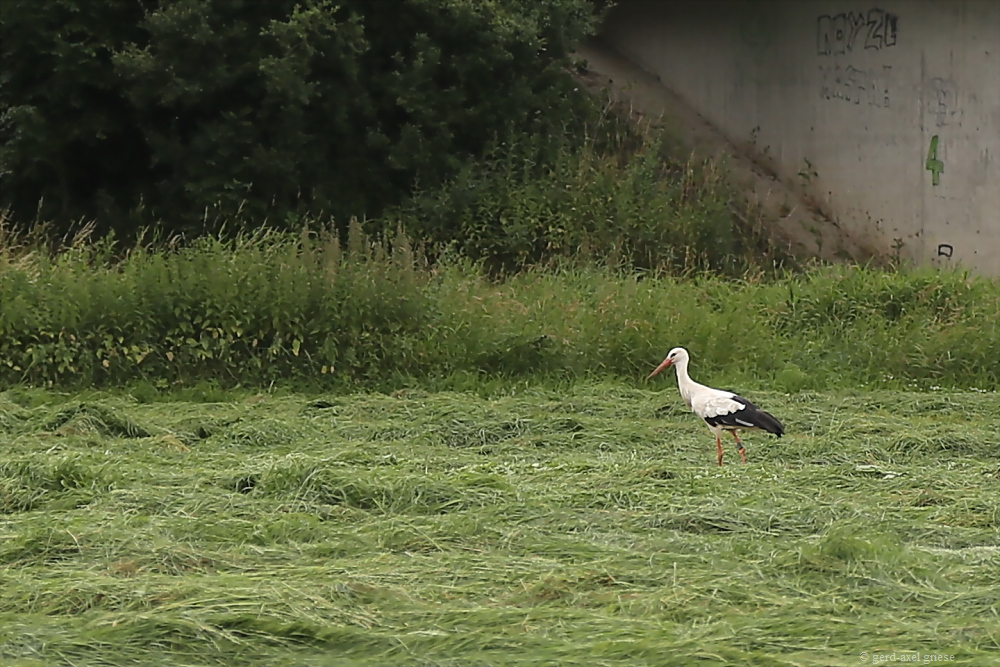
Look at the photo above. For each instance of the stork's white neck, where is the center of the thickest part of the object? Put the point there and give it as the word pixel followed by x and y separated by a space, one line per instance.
pixel 682 371
pixel 685 384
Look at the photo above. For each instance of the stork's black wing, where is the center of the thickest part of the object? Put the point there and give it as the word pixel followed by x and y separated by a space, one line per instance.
pixel 747 416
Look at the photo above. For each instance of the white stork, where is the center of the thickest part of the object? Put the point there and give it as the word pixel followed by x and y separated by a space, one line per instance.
pixel 721 410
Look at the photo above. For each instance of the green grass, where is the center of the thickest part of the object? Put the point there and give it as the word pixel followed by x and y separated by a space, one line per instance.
pixel 374 315
pixel 581 526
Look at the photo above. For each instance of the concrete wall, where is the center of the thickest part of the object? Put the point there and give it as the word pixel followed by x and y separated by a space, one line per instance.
pixel 886 114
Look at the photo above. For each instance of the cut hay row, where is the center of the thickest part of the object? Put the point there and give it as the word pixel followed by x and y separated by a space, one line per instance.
pixel 586 527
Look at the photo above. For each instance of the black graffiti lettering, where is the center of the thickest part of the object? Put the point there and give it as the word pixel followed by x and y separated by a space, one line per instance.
pixel 945 250
pixel 837 35
pixel 890 29
pixel 875 27
pixel 855 22
pixel 858 86
pixel 942 101
pixel 881 29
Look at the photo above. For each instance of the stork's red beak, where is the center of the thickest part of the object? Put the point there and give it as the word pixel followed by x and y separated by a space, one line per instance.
pixel 666 364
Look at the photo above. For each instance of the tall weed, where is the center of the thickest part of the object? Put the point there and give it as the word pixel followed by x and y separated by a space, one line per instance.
pixel 375 313
pixel 620 194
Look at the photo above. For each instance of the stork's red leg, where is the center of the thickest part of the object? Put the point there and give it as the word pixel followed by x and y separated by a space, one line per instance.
pixel 739 443
pixel 718 444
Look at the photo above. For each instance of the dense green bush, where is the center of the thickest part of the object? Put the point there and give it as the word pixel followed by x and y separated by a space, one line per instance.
pixel 617 192
pixel 375 314
pixel 257 308
pixel 177 113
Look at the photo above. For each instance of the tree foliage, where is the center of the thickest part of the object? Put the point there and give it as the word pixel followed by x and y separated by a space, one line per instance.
pixel 177 110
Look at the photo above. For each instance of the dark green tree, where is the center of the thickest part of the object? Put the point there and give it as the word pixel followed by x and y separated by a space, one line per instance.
pixel 141 111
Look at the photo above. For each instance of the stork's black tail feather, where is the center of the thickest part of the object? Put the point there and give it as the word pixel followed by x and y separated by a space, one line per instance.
pixel 749 416
pixel 769 423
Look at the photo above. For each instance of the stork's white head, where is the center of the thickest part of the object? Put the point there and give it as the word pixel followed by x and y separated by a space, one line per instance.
pixel 676 356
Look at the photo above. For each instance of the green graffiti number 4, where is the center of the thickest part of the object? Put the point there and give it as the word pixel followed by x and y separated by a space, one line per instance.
pixel 934 165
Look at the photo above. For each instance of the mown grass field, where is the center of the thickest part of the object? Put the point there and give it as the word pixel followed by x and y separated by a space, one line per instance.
pixel 586 525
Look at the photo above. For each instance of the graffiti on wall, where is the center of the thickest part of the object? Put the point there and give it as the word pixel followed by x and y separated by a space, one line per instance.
pixel 852 31
pixel 934 164
pixel 941 97
pixel 859 86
